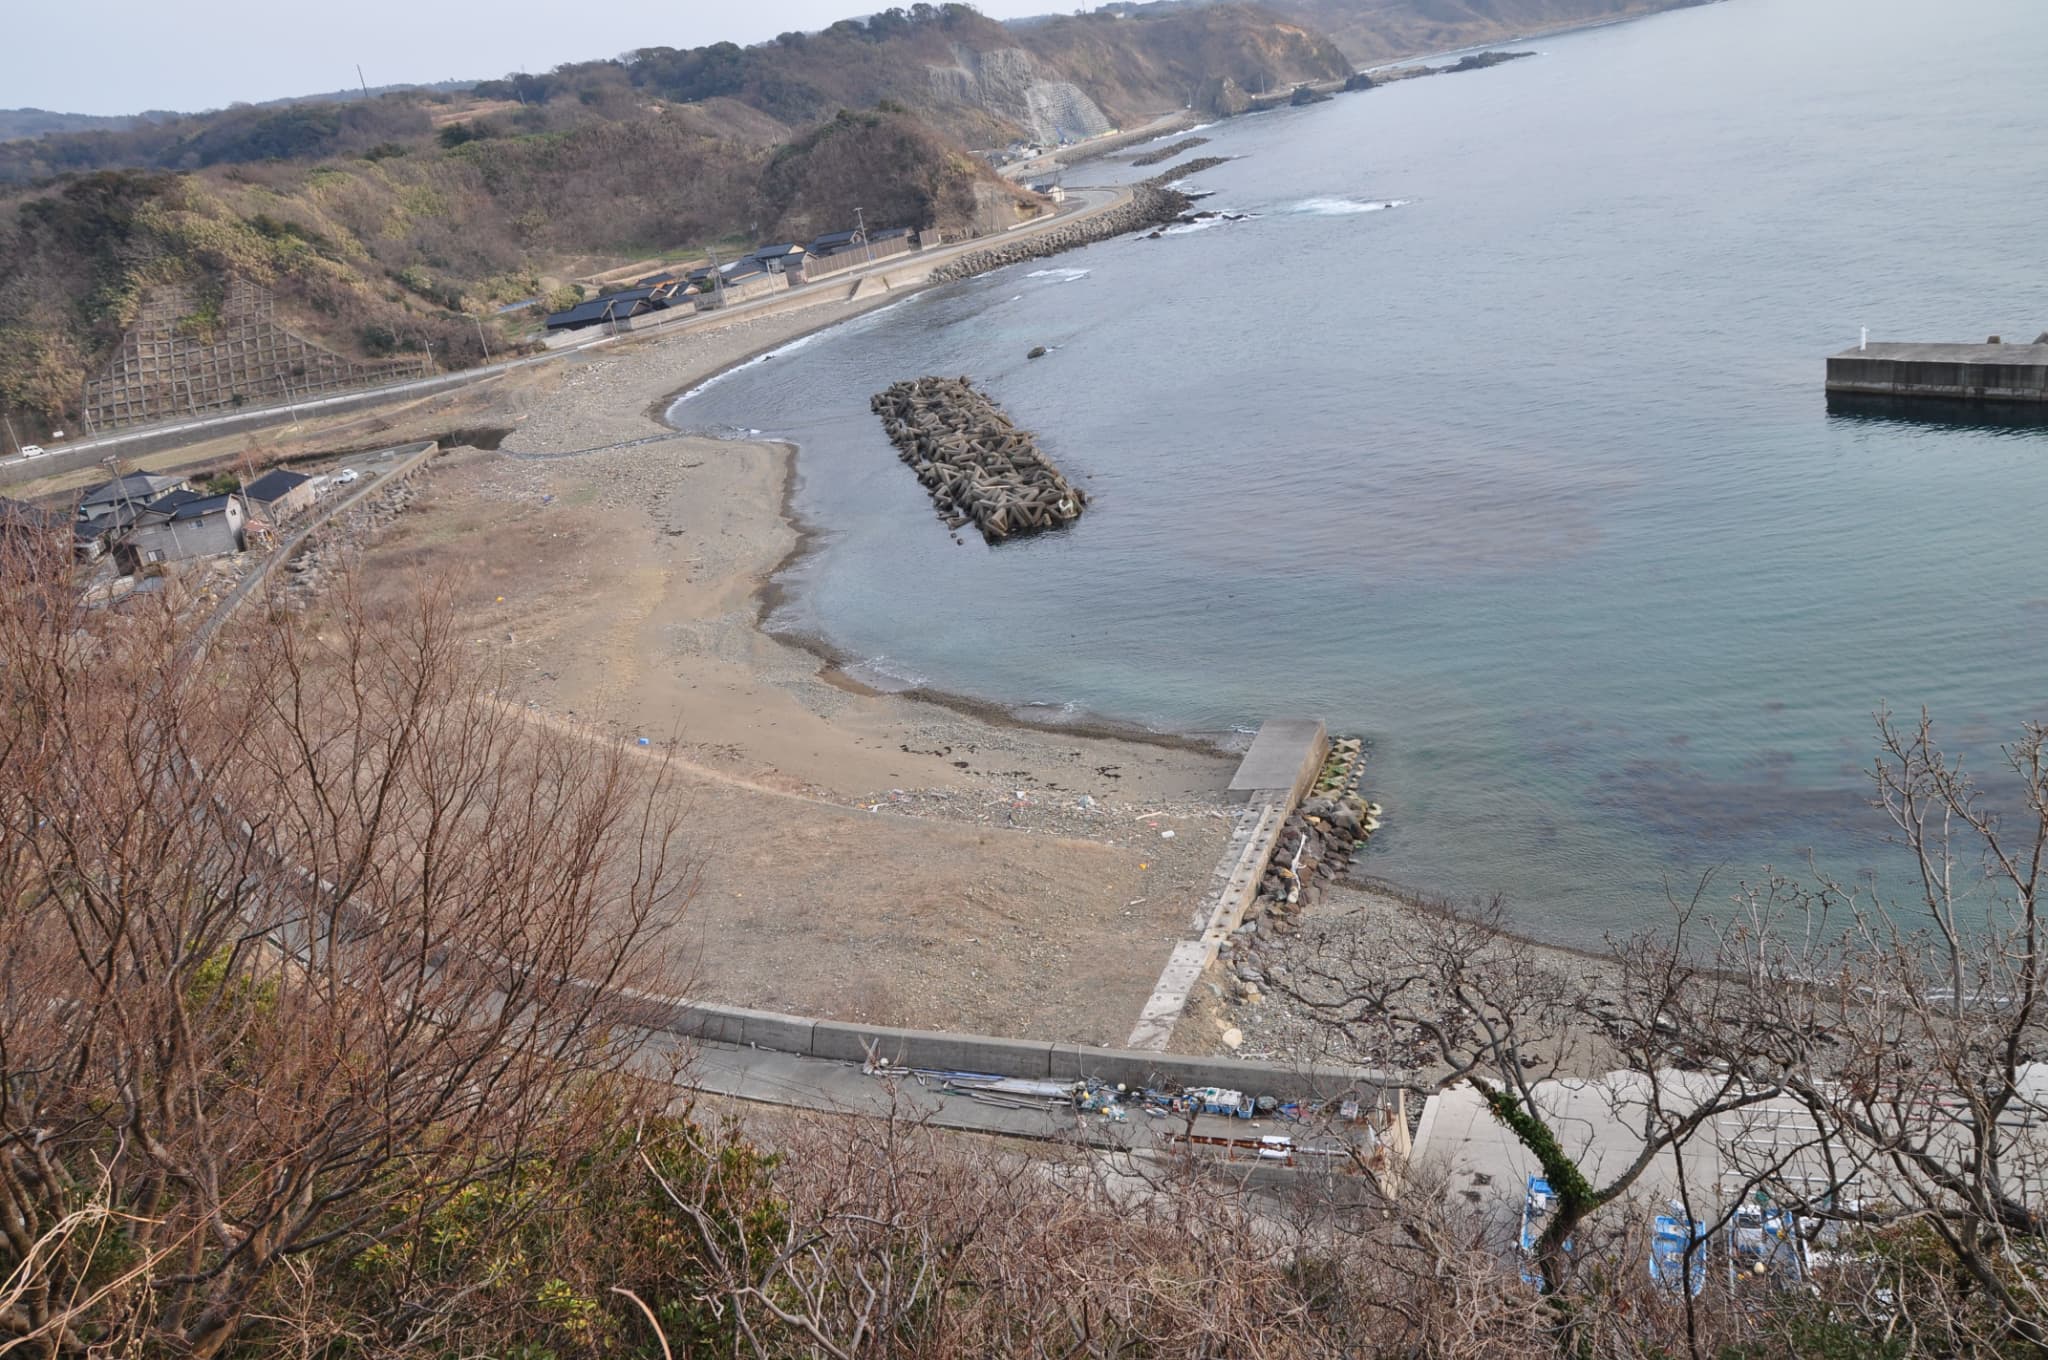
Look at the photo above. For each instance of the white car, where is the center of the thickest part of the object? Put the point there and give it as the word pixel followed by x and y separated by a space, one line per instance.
pixel 345 476
pixel 31 450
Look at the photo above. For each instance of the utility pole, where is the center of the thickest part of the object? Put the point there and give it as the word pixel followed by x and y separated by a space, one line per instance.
pixel 480 337
pixel 12 437
pixel 364 83
pixel 860 226
pixel 717 275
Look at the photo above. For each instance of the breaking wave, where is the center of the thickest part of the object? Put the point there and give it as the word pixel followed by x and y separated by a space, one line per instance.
pixel 1345 207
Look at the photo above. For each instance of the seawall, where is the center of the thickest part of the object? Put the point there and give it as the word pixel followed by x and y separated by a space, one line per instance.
pixel 1149 206
pixel 1987 372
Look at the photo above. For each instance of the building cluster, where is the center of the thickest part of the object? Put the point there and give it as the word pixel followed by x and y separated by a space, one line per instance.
pixel 767 269
pixel 144 520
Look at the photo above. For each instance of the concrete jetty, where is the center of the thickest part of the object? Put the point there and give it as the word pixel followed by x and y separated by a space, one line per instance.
pixel 1987 372
pixel 1271 779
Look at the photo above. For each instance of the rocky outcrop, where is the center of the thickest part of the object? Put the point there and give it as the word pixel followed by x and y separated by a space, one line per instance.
pixel 1479 61
pixel 1222 97
pixel 1358 80
pixel 1307 94
pixel 1149 206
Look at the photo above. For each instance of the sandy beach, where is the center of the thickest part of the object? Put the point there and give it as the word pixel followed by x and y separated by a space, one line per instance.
pixel 859 855
pixel 895 858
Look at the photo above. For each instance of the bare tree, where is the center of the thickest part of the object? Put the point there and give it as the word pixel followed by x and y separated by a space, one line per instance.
pixel 300 940
pixel 1475 1005
pixel 1910 1032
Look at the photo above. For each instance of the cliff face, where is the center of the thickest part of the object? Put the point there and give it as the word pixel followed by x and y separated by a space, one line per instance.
pixel 1383 30
pixel 1013 89
pixel 1139 61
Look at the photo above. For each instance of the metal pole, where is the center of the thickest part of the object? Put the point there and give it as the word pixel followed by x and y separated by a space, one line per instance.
pixel 480 337
pixel 12 437
pixel 860 224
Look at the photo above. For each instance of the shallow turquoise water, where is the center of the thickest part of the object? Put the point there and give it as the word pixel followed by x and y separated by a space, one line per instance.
pixel 1528 479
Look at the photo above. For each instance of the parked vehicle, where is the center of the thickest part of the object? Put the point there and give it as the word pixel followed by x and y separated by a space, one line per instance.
pixel 345 476
pixel 1670 1241
pixel 31 450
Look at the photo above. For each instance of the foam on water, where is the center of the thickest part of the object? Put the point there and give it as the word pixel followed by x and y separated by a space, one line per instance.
pixel 1059 275
pixel 1345 207
pixel 885 674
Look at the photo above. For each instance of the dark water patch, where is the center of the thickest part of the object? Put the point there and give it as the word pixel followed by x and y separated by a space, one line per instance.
pixel 2018 416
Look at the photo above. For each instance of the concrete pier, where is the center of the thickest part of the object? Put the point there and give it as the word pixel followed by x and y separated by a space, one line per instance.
pixel 1270 780
pixel 2002 373
pixel 1284 758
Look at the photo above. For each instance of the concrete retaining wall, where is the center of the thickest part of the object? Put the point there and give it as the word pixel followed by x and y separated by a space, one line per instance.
pixel 1959 381
pixel 135 444
pixel 842 1041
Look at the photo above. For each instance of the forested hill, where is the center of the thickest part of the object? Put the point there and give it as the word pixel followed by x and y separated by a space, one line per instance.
pixel 17 123
pixel 399 222
pixel 971 78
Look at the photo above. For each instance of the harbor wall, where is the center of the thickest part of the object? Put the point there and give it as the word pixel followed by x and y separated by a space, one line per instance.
pixel 2024 378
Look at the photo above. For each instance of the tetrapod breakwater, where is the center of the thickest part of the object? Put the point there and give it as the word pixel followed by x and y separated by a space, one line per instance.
pixel 977 465
pixel 1149 206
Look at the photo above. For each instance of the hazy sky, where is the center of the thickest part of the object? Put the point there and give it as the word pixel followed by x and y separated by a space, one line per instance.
pixel 123 56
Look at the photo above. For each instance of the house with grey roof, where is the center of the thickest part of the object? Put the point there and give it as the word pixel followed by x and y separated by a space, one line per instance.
pixel 279 494
pixel 209 526
pixel 137 488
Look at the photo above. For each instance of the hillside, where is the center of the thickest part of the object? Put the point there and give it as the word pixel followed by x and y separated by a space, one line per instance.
pixel 981 82
pixel 411 249
pixel 16 123
pixel 403 222
pixel 976 80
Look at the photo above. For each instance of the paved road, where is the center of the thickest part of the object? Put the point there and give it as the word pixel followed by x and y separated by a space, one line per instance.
pixel 767 1077
pixel 1080 202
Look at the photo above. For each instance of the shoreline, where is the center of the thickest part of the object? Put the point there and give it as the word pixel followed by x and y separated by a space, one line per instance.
pixel 773 594
pixel 835 659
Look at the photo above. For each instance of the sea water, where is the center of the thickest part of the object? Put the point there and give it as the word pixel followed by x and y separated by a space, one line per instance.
pixel 1495 434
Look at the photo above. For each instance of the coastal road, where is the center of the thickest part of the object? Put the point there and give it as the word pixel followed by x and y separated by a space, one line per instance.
pixel 763 1076
pixel 73 454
